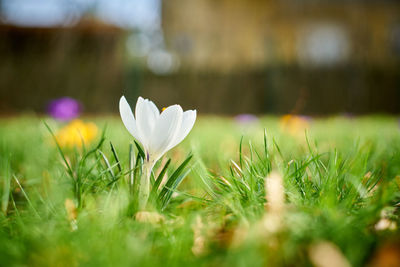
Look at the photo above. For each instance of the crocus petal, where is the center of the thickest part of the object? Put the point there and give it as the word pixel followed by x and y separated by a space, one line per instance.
pixel 146 117
pixel 153 108
pixel 188 120
pixel 127 118
pixel 165 131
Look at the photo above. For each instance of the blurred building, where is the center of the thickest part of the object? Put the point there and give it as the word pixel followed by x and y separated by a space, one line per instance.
pixel 218 56
pixel 228 35
pixel 309 56
pixel 42 63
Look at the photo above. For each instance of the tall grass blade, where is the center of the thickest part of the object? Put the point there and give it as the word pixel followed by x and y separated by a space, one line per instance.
pixel 174 177
pixel 69 169
pixel 25 195
pixel 116 157
pixel 240 153
pixel 172 189
pixel 109 167
pixel 140 150
pixel 159 178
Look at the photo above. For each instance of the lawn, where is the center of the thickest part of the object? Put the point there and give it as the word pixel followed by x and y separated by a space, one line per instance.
pixel 259 192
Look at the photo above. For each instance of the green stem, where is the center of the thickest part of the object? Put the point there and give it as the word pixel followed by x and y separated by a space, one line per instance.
pixel 144 186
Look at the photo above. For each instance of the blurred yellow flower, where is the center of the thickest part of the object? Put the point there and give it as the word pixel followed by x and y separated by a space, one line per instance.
pixel 293 124
pixel 76 133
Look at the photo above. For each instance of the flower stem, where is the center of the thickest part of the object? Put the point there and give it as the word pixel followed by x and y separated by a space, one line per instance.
pixel 144 186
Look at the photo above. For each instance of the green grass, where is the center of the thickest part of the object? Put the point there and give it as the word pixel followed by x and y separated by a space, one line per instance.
pixel 339 177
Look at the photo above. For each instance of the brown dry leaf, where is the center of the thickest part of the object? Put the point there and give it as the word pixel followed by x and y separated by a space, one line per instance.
pixel 326 254
pixel 388 255
pixel 385 224
pixel 71 209
pixel 72 213
pixel 224 237
pixel 199 241
pixel 275 192
pixel 240 234
pixel 368 175
pixel 272 221
pixel 223 234
pixel 149 217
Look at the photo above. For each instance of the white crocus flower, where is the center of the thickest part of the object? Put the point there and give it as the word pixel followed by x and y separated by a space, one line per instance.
pixel 157 132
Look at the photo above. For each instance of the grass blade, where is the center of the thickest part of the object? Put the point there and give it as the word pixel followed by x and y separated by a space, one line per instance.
pixel 69 169
pixel 25 195
pixel 240 153
pixel 174 177
pixel 160 177
pixel 140 150
pixel 116 157
pixel 172 189
pixel 109 167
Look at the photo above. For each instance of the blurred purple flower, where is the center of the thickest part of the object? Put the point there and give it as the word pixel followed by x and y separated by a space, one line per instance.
pixel 246 119
pixel 65 108
pixel 306 118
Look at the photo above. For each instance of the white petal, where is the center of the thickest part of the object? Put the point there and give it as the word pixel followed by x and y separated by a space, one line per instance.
pixel 165 131
pixel 153 108
pixel 188 120
pixel 127 118
pixel 146 117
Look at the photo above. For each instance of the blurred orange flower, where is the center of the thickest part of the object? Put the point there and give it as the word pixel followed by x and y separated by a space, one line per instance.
pixel 76 133
pixel 294 124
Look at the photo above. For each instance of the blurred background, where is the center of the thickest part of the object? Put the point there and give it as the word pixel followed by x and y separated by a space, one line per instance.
pixel 314 57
